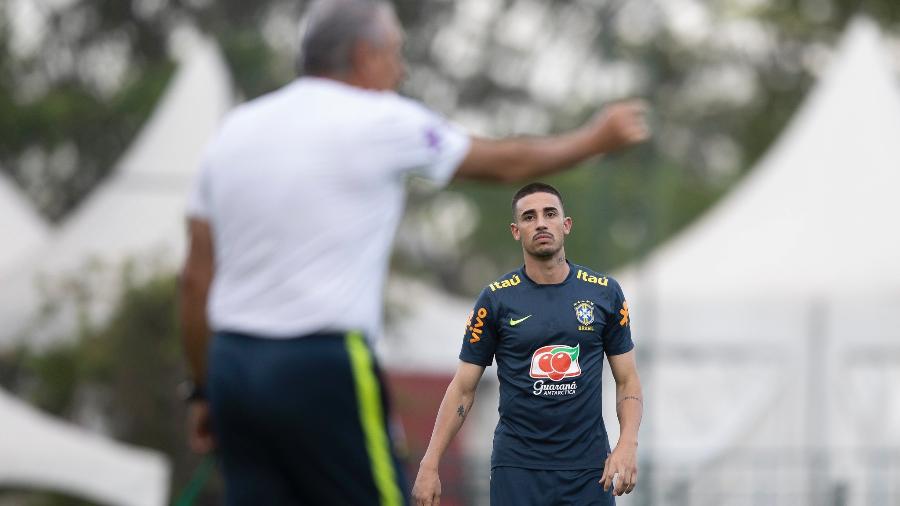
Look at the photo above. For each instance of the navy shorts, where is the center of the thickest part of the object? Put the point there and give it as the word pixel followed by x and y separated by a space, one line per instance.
pixel 302 422
pixel 516 486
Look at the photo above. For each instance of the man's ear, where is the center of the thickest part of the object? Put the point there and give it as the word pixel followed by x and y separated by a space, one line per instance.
pixel 360 58
pixel 514 230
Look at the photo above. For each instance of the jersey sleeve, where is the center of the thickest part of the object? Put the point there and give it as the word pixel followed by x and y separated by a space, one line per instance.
pixel 422 142
pixel 617 330
pixel 480 337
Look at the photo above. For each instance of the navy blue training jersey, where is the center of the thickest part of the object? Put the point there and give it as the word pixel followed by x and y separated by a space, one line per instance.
pixel 549 341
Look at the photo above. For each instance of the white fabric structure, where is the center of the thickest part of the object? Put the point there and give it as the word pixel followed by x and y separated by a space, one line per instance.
pixel 140 210
pixel 424 328
pixel 44 453
pixel 18 221
pixel 137 213
pixel 771 324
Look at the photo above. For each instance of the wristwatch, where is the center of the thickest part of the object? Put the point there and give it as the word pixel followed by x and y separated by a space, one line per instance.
pixel 190 391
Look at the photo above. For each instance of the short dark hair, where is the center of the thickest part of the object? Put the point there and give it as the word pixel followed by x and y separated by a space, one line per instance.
pixel 530 188
pixel 332 28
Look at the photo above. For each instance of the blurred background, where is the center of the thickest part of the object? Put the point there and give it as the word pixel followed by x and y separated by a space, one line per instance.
pixel 757 236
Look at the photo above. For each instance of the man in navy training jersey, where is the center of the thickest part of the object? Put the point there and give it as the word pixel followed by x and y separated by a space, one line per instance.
pixel 549 325
pixel 291 222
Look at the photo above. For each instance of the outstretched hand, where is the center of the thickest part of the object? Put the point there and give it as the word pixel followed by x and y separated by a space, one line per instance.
pixel 620 125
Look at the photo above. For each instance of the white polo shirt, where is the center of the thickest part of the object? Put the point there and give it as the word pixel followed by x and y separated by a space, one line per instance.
pixel 304 189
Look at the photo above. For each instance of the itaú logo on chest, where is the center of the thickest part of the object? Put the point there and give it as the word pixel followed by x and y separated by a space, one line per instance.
pixel 556 362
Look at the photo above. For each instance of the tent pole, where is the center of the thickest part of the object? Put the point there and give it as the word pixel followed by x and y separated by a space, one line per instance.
pixel 816 398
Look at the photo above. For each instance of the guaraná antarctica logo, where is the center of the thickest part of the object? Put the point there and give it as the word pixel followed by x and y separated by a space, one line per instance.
pixel 555 362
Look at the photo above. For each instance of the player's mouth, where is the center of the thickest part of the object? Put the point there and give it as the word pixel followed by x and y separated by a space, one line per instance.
pixel 543 236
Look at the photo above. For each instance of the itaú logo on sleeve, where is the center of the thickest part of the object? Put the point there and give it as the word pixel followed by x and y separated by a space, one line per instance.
pixel 556 362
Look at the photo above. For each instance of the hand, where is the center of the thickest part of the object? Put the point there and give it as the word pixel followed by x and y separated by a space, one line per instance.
pixel 200 436
pixel 620 125
pixel 427 490
pixel 622 462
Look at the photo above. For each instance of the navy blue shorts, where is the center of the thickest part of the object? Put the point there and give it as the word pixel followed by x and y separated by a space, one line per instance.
pixel 516 486
pixel 302 422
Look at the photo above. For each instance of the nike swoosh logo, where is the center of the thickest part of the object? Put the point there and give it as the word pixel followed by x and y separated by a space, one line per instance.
pixel 513 323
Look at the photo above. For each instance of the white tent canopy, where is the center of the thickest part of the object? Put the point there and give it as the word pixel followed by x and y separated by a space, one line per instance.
pixel 820 211
pixel 138 213
pixel 771 321
pixel 44 453
pixel 20 222
pixel 425 332
pixel 141 209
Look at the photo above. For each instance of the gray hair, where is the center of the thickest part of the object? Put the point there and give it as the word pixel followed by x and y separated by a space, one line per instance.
pixel 332 27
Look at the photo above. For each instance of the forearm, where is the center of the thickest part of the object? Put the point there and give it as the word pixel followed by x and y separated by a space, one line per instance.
pixel 523 158
pixel 616 127
pixel 533 158
pixel 451 415
pixel 194 327
pixel 629 409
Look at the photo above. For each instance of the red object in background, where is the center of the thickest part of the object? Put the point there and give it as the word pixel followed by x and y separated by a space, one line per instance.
pixel 415 399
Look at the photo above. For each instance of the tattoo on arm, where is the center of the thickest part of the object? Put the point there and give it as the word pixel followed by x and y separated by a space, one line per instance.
pixel 461 411
pixel 623 399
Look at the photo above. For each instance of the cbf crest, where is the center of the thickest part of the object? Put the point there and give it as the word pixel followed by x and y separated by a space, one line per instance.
pixel 584 313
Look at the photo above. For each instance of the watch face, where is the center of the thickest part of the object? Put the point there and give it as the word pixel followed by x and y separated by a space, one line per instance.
pixel 189 391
